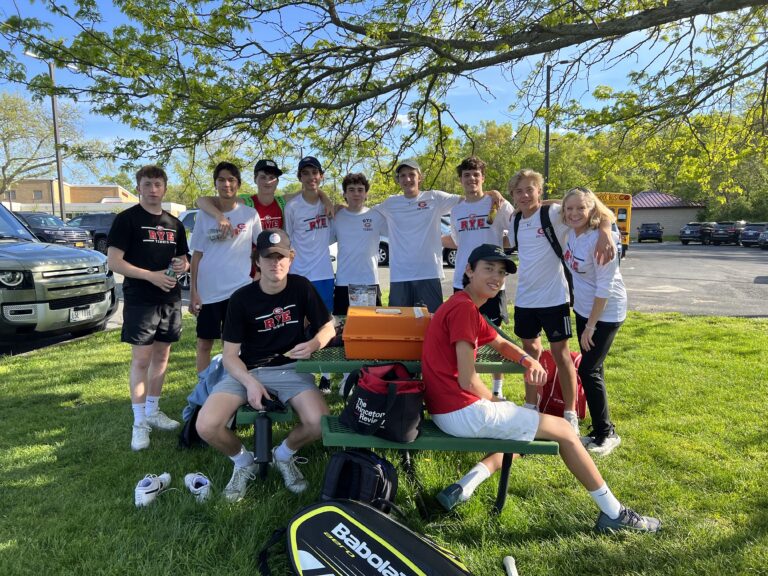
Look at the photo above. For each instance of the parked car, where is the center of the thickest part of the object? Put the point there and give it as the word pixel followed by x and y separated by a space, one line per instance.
pixel 650 231
pixel 98 225
pixel 728 232
pixel 697 232
pixel 188 218
pixel 762 240
pixel 52 229
pixel 751 233
pixel 48 289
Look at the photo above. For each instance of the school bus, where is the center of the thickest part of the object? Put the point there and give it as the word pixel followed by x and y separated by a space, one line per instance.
pixel 621 204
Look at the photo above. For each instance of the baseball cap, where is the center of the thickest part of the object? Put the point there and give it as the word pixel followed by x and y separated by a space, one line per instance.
pixel 309 161
pixel 273 241
pixel 410 163
pixel 492 253
pixel 267 166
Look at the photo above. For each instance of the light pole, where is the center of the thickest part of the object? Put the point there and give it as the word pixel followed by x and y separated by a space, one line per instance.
pixel 546 126
pixel 55 111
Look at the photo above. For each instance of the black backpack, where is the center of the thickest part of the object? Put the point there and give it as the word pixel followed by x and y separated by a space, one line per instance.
pixel 360 474
pixel 347 537
pixel 549 232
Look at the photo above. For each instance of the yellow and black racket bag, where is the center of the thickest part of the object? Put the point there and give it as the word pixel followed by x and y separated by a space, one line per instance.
pixel 349 538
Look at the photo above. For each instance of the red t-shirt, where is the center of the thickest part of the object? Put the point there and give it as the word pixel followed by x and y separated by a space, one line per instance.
pixel 271 216
pixel 456 319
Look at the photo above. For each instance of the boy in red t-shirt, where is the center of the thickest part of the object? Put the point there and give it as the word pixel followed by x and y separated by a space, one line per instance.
pixel 462 405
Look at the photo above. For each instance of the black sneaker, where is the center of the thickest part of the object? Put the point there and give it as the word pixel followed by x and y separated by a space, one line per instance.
pixel 628 520
pixel 324 385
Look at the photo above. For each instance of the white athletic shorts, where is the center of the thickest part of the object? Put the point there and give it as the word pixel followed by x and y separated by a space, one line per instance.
pixel 485 419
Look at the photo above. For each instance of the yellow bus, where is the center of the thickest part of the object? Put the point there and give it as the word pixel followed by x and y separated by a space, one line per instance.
pixel 621 204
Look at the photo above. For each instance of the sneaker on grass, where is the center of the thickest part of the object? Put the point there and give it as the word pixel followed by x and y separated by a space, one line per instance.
pixel 199 485
pixel 294 479
pixel 149 487
pixel 140 437
pixel 604 445
pixel 628 520
pixel 451 496
pixel 160 421
pixel 573 420
pixel 324 385
pixel 238 484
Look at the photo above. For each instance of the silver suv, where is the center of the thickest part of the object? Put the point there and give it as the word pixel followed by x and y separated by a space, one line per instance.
pixel 47 289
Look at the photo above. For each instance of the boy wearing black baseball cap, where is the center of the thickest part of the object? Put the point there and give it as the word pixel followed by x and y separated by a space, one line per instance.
pixel 263 337
pixel 462 405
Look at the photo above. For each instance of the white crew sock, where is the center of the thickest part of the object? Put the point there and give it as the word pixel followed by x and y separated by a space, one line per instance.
pixel 531 406
pixel 473 479
pixel 606 501
pixel 153 405
pixel 243 458
pixel 138 413
pixel 497 386
pixel 283 453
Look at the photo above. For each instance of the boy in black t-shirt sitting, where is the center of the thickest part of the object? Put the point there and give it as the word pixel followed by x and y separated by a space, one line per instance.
pixel 263 337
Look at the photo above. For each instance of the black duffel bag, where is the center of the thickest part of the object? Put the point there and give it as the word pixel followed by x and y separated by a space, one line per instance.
pixel 387 402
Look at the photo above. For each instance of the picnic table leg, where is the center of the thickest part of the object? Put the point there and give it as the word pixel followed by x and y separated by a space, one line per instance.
pixel 501 496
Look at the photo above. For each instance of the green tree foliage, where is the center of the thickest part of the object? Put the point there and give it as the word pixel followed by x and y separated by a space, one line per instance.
pixel 328 74
pixel 27 145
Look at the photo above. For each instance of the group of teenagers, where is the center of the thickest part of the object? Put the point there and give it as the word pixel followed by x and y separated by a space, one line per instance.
pixel 262 281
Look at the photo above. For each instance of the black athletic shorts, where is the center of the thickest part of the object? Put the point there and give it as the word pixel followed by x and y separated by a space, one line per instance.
pixel 144 324
pixel 210 320
pixel 555 320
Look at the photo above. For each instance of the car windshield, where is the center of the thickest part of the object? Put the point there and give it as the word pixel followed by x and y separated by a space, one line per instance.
pixel 44 220
pixel 754 227
pixel 10 227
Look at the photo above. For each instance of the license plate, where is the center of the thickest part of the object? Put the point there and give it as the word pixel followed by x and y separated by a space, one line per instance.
pixel 79 244
pixel 687 233
pixel 80 315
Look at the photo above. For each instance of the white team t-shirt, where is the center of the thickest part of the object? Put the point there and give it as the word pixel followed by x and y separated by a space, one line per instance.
pixel 591 280
pixel 226 264
pixel 310 232
pixel 470 228
pixel 541 281
pixel 357 233
pixel 415 250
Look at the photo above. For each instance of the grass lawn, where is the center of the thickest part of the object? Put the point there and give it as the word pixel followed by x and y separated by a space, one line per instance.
pixel 688 396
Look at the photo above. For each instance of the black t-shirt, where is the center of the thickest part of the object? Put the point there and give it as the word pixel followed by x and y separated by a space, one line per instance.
pixel 149 241
pixel 267 325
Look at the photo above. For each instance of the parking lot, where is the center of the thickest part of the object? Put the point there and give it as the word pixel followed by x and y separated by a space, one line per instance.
pixel 668 277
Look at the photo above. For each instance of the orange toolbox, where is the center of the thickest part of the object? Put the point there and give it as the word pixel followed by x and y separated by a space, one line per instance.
pixel 385 333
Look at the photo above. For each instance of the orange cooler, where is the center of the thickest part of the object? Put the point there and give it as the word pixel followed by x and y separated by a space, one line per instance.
pixel 385 333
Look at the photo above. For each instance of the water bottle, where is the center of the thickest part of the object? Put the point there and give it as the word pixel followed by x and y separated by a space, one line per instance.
pixel 170 271
pixel 262 438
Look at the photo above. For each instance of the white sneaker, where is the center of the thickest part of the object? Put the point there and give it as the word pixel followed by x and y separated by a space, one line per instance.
pixel 140 437
pixel 604 446
pixel 160 421
pixel 573 420
pixel 294 479
pixel 238 484
pixel 199 485
pixel 149 487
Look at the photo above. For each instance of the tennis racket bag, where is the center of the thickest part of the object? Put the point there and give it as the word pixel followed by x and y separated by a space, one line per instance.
pixel 551 394
pixel 348 538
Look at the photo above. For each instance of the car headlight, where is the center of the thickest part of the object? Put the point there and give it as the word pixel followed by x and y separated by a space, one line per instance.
pixel 11 278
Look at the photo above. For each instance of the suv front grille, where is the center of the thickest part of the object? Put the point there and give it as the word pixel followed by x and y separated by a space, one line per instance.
pixel 73 301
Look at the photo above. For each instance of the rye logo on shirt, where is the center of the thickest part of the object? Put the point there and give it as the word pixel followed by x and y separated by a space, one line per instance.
pixel 422 205
pixel 317 223
pixel 160 235
pixel 367 224
pixel 540 233
pixel 472 222
pixel 269 222
pixel 279 317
